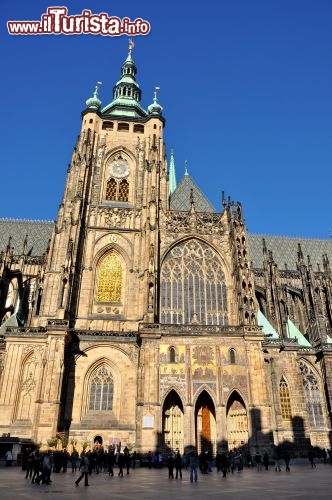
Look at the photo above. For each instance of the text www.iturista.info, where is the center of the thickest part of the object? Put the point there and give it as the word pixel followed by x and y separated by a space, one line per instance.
pixel 57 22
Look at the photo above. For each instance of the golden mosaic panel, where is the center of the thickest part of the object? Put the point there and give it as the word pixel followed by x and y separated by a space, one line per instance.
pixel 109 279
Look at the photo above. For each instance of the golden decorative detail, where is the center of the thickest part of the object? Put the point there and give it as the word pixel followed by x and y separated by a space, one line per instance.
pixel 109 279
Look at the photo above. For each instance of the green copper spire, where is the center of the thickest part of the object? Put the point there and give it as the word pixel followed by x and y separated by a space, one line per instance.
pixel 93 102
pixel 126 93
pixel 155 108
pixel 171 175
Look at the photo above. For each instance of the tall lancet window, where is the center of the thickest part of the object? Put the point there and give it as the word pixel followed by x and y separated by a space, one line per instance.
pixel 193 287
pixel 286 409
pixel 312 396
pixel 109 279
pixel 101 389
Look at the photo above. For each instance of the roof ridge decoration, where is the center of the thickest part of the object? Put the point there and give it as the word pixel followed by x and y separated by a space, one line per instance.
pixel 9 219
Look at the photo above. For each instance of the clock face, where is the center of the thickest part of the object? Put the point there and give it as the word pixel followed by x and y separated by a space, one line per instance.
pixel 119 168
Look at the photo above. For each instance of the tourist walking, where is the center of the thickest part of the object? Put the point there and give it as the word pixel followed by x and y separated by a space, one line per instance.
pixel 84 468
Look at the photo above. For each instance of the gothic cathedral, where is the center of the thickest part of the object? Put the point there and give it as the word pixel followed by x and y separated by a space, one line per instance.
pixel 143 315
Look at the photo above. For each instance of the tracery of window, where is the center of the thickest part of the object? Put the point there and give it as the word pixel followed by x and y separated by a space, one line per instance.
pixel 123 190
pixel 193 287
pixel 109 279
pixel 101 389
pixel 285 403
pixel 312 395
pixel 27 389
pixel 111 189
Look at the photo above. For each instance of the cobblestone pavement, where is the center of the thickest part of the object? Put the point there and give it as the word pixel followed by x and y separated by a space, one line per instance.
pixel 300 483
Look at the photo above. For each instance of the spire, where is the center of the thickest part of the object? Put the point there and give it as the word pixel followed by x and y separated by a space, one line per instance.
pixel 126 92
pixel 155 108
pixel 93 102
pixel 171 175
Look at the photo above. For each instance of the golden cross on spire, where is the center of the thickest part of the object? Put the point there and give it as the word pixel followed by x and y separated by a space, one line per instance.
pixel 131 45
pixel 155 93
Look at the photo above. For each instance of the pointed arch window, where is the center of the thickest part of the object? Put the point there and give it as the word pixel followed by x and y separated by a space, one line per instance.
pixel 172 355
pixel 232 357
pixel 193 287
pixel 123 190
pixel 285 402
pixel 117 190
pixel 312 395
pixel 101 389
pixel 109 279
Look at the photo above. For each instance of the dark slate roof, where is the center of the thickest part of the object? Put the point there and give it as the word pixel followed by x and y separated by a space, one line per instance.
pixel 284 250
pixel 180 199
pixel 39 233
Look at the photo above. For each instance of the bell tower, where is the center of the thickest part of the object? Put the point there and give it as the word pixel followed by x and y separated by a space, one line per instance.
pixel 101 273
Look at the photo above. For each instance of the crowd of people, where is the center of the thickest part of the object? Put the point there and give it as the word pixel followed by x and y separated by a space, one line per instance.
pixel 38 466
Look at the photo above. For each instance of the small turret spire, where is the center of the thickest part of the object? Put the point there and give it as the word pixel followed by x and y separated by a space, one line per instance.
pixel 186 167
pixel 94 102
pixel 155 107
pixel 171 174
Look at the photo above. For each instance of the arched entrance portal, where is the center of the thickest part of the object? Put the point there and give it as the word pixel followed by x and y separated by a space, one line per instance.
pixel 205 418
pixel 237 422
pixel 173 428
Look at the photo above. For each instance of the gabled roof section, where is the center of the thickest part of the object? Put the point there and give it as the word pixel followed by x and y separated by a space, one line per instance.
pixel 186 190
pixel 294 333
pixel 267 327
pixel 37 232
pixel 11 321
pixel 284 250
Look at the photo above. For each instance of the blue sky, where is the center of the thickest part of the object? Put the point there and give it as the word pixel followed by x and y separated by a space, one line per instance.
pixel 246 87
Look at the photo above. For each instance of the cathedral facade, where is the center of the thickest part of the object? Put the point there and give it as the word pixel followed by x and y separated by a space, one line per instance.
pixel 144 316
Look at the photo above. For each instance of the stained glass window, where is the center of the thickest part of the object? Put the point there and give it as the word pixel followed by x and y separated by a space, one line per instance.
pixel 101 389
pixel 109 279
pixel 193 288
pixel 286 409
pixel 312 395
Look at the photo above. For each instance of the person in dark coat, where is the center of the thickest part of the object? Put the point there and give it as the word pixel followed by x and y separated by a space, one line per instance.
pixel 111 462
pixel 287 460
pixel 178 465
pixel 266 461
pixel 170 465
pixel 121 464
pixel 84 468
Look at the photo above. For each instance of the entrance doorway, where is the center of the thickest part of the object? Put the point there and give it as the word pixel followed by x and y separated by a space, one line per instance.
pixel 237 422
pixel 173 428
pixel 205 419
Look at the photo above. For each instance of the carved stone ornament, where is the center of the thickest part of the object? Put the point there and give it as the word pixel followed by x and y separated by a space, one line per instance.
pixel 200 222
